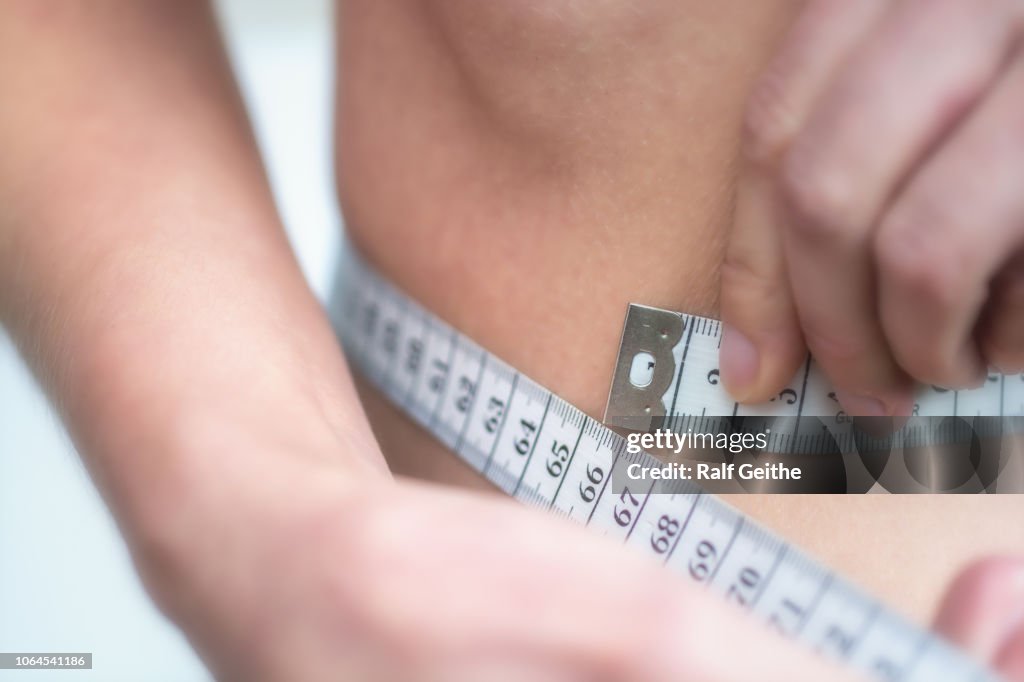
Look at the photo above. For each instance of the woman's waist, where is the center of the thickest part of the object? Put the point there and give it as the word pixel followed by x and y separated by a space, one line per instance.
pixel 938 533
pixel 548 300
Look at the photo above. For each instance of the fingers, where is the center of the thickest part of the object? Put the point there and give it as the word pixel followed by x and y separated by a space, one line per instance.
pixel 783 97
pixel 984 607
pixel 762 346
pixel 631 619
pixel 841 138
pixel 951 230
pixel 899 91
pixel 522 605
pixel 832 277
pixel 864 135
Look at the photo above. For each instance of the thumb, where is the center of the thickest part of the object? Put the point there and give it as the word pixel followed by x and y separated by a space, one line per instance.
pixel 762 346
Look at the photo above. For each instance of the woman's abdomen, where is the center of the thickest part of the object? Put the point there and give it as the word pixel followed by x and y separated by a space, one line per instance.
pixel 526 169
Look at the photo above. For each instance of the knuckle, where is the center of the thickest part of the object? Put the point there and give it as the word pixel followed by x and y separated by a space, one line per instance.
pixel 822 201
pixel 909 255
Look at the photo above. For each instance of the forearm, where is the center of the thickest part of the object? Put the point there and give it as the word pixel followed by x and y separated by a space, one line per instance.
pixel 142 268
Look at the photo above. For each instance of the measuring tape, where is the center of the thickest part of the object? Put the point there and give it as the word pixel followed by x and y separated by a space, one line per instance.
pixel 667 376
pixel 544 452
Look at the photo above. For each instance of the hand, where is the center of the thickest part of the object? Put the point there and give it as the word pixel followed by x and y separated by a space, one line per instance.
pixel 404 581
pixel 880 215
pixel 413 582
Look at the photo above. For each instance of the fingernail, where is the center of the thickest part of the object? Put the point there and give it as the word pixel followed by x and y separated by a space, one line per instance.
pixel 740 361
pixel 861 405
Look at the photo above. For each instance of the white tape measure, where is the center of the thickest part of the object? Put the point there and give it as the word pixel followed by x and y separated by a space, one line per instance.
pixel 545 452
pixel 667 375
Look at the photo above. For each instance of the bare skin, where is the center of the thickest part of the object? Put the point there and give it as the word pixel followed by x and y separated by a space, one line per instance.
pixel 146 279
pixel 533 203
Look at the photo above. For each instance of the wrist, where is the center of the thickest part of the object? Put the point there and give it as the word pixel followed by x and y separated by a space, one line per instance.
pixel 188 457
pixel 230 500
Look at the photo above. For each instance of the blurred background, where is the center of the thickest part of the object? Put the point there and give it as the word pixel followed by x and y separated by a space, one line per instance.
pixel 66 581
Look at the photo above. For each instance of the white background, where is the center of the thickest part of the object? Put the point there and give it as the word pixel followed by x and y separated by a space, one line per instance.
pixel 66 582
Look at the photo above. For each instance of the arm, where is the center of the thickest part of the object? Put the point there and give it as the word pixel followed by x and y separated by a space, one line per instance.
pixel 146 279
pixel 143 270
